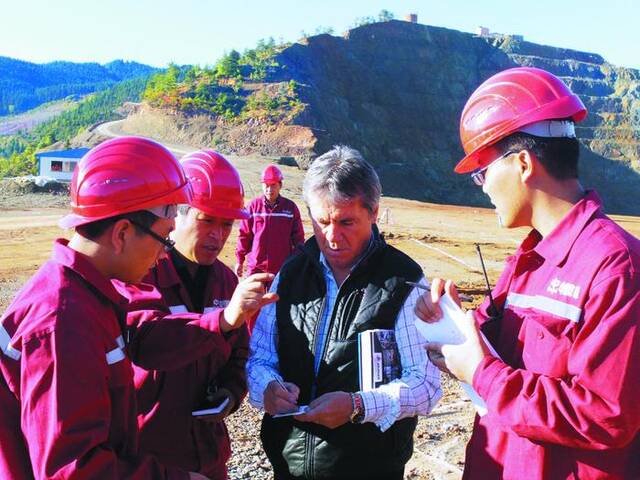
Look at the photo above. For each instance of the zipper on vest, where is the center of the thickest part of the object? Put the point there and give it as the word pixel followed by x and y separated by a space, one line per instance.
pixel 309 456
pixel 328 336
pixel 314 385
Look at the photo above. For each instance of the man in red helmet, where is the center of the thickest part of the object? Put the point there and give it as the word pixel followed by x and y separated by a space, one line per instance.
pixel 564 316
pixel 192 279
pixel 66 385
pixel 273 230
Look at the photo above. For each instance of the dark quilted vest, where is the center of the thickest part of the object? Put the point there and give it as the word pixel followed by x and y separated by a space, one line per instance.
pixel 371 297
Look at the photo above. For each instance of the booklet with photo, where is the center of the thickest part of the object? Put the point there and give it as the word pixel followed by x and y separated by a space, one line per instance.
pixel 378 358
pixel 446 330
pixel 211 410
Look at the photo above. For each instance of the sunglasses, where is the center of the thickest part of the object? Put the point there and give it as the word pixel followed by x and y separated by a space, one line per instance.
pixel 479 176
pixel 167 242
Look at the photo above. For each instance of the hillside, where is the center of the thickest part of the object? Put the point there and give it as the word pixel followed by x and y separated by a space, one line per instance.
pixel 17 152
pixel 25 85
pixel 395 91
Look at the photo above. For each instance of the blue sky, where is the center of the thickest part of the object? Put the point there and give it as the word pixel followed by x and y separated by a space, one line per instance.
pixel 200 31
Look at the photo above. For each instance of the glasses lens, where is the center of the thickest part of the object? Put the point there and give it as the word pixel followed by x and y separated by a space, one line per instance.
pixel 167 242
pixel 478 177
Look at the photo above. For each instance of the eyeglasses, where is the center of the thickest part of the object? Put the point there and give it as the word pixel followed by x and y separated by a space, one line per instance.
pixel 167 242
pixel 479 176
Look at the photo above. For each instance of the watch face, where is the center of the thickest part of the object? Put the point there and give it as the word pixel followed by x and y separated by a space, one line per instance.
pixel 358 410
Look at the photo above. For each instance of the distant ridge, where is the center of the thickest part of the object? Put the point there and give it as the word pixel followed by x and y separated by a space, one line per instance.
pixel 25 85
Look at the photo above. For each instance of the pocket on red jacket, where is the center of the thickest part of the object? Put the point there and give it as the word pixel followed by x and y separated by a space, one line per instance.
pixel 547 342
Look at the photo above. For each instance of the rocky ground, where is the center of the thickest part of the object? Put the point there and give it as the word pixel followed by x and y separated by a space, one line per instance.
pixel 439 440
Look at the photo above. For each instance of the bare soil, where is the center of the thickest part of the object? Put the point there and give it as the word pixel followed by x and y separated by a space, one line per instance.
pixel 440 238
pixel 24 122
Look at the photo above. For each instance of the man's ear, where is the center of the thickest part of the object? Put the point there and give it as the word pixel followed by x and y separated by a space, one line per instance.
pixel 120 233
pixel 527 164
pixel 374 214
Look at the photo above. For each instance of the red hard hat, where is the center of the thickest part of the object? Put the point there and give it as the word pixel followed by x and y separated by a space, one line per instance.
pixel 217 189
pixel 271 174
pixel 124 175
pixel 508 101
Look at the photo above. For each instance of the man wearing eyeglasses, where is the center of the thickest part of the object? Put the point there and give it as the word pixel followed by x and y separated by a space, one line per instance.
pixel 562 397
pixel 191 280
pixel 67 395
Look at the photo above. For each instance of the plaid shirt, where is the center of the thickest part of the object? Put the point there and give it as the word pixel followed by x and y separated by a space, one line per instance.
pixel 415 393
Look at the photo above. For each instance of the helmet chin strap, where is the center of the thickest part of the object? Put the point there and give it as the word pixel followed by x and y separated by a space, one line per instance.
pixel 550 129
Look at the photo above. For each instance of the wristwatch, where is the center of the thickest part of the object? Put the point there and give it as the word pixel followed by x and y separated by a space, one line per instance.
pixel 357 404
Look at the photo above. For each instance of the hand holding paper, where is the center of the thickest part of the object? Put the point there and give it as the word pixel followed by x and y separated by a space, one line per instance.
pixel 456 339
pixel 280 397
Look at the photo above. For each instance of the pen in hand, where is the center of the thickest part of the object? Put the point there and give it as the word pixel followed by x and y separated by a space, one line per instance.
pixel 281 383
pixel 463 297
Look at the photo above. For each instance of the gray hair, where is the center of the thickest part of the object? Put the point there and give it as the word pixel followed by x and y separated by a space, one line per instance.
pixel 340 175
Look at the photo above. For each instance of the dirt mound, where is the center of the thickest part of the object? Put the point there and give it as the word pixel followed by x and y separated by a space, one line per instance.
pixel 29 192
pixel 30 184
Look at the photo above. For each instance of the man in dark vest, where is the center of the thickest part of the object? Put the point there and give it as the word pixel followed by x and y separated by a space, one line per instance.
pixel 304 349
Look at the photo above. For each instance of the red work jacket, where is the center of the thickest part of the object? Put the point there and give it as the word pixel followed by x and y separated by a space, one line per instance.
pixel 269 235
pixel 167 398
pixel 66 385
pixel 563 402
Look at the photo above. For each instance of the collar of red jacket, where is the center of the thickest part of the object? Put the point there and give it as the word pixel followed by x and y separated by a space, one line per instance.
pixel 271 205
pixel 166 275
pixel 556 246
pixel 81 265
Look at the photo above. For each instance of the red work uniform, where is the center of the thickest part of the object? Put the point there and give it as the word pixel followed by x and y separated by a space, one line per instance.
pixel 563 402
pixel 66 384
pixel 269 235
pixel 167 398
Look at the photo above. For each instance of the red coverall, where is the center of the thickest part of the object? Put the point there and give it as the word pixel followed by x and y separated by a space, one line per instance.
pixel 270 235
pixel 66 385
pixel 167 398
pixel 563 403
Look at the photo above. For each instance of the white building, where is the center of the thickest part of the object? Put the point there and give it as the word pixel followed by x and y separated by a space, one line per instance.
pixel 60 164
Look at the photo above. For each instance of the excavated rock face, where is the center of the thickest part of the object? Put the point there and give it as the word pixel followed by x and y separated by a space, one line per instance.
pixel 395 91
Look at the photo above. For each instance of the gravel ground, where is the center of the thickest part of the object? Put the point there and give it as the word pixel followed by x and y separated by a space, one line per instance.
pixel 439 440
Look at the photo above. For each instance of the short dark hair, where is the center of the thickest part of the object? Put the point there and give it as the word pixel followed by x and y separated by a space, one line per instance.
pixel 94 230
pixel 558 156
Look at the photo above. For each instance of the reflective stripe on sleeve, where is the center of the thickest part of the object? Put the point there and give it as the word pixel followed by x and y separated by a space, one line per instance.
pixel 5 344
pixel 117 354
pixel 545 304
pixel 260 214
pixel 178 309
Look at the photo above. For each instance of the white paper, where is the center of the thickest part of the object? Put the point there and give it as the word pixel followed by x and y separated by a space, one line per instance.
pixel 447 330
pixel 301 409
pixel 211 411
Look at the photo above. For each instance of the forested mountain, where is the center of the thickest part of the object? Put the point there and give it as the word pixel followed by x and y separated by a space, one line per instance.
pixel 25 85
pixel 17 152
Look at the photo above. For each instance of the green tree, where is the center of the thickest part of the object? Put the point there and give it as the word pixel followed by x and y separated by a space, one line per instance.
pixel 385 16
pixel 228 66
pixel 362 21
pixel 323 30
